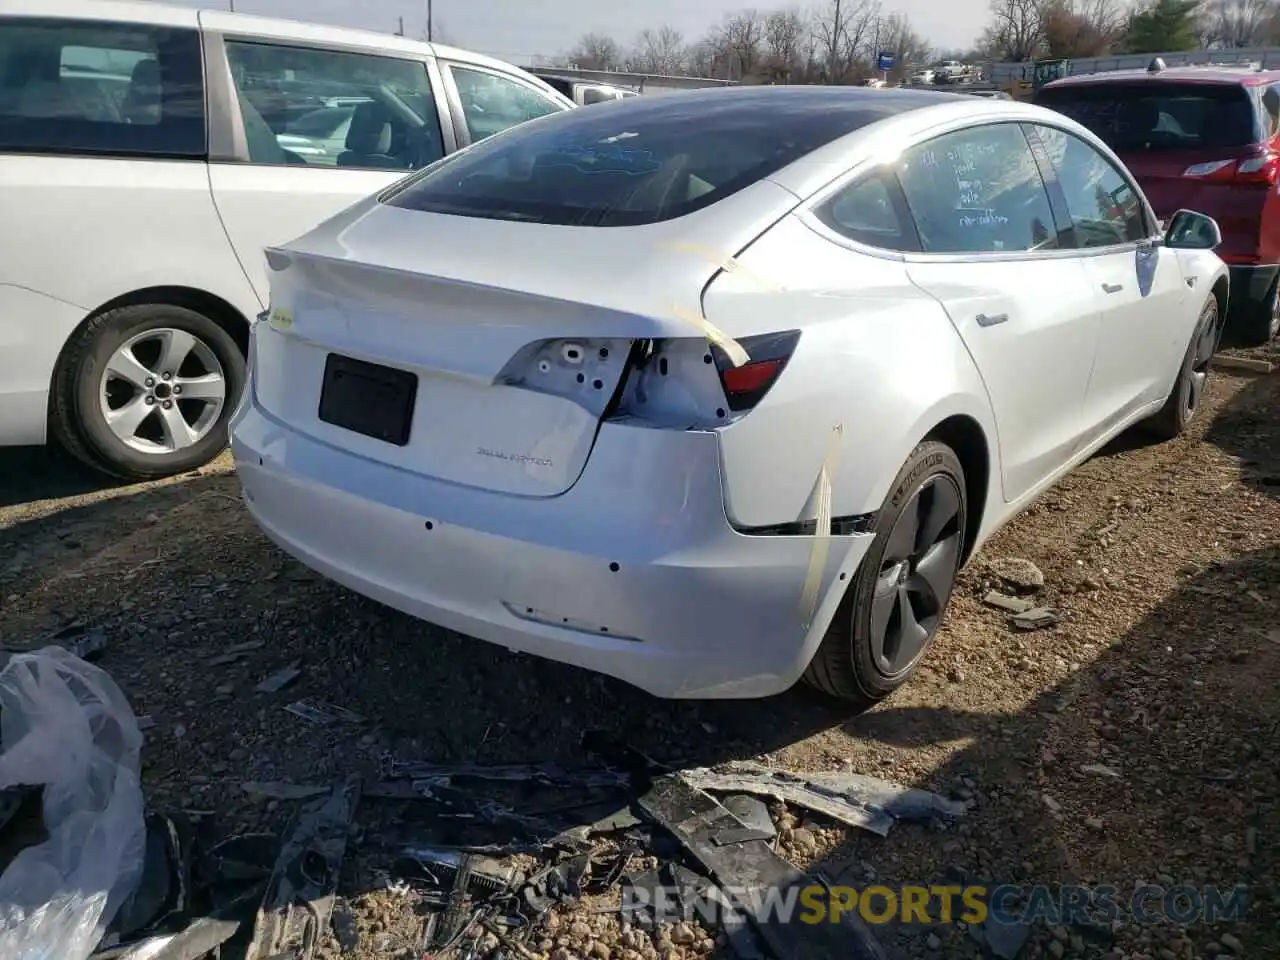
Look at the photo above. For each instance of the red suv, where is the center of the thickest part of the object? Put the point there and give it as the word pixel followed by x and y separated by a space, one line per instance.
pixel 1204 138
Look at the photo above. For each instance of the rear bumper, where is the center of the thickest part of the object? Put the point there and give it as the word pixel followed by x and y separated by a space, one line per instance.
pixel 1250 285
pixel 693 608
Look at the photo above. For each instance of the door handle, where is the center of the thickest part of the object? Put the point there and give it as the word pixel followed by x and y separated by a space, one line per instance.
pixel 1112 287
pixel 990 320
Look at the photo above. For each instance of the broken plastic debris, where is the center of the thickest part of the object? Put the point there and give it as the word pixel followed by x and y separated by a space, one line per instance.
pixel 281 790
pixel 281 678
pixel 1005 602
pixel 236 651
pixel 1036 618
pixel 296 908
pixel 67 726
pixel 854 799
pixel 318 711
pixel 693 817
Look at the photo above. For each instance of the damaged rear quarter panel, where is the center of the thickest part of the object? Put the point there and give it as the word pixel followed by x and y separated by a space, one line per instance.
pixel 877 356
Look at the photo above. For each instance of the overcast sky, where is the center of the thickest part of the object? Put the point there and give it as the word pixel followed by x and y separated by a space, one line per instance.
pixel 517 31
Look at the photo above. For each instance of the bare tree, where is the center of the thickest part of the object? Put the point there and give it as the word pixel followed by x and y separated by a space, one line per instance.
pixel 1080 28
pixel 784 33
pixel 1016 30
pixel 1237 23
pixel 895 35
pixel 659 51
pixel 597 51
pixel 738 41
pixel 841 30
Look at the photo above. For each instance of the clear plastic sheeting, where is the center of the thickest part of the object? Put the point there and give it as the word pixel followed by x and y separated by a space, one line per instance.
pixel 65 725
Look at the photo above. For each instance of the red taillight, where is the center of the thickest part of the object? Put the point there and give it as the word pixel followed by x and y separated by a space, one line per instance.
pixel 767 356
pixel 749 377
pixel 1258 170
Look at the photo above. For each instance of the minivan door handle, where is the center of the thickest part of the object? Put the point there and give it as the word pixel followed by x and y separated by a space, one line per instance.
pixel 1112 287
pixel 990 320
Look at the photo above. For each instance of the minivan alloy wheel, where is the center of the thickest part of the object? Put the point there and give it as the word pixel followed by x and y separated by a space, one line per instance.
pixel 162 391
pixel 917 573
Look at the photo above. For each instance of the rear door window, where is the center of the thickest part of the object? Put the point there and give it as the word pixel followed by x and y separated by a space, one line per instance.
pixel 100 88
pixel 978 191
pixel 1146 116
pixel 308 106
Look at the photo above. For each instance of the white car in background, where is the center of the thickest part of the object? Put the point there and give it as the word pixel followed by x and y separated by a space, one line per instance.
pixel 148 154
pixel 815 346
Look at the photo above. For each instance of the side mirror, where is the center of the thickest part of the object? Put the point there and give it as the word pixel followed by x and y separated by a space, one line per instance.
pixel 1189 230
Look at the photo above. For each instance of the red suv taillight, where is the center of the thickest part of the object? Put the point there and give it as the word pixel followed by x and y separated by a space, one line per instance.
pixel 1263 170
pixel 767 356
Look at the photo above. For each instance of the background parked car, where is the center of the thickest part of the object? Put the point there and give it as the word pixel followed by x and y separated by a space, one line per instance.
pixel 1204 138
pixel 148 154
pixel 584 92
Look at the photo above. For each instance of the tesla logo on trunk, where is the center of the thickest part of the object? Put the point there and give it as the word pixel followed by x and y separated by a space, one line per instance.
pixel 514 457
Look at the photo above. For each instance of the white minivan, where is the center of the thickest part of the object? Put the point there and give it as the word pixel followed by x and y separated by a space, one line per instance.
pixel 148 154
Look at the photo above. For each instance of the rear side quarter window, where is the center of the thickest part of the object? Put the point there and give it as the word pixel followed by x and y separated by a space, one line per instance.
pixel 871 212
pixel 101 88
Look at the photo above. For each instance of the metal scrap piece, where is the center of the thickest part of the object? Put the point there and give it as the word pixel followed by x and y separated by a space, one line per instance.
pixel 299 900
pixel 753 869
pixel 859 801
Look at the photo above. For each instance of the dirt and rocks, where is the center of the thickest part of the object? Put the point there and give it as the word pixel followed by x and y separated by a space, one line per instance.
pixel 1133 740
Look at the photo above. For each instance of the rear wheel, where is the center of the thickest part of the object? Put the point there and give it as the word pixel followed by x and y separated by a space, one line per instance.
pixel 1193 376
pixel 1259 323
pixel 896 603
pixel 146 391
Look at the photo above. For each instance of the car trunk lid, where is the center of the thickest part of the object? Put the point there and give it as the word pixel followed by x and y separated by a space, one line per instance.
pixel 482 352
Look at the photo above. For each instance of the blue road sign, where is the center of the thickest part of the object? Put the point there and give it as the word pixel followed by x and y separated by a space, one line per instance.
pixel 886 60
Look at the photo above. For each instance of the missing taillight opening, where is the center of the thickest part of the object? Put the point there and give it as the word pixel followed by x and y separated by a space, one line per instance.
pixel 746 385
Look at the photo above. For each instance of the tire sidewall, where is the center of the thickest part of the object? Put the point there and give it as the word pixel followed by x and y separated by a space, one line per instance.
pixel 87 406
pixel 928 461
pixel 1208 315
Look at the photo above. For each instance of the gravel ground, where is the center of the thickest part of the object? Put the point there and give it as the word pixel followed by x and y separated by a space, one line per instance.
pixel 1134 741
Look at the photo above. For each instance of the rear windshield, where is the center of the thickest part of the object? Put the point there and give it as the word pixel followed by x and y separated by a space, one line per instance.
pixel 1160 116
pixel 638 160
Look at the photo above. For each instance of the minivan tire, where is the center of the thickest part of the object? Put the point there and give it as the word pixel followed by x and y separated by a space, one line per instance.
pixel 78 420
pixel 847 665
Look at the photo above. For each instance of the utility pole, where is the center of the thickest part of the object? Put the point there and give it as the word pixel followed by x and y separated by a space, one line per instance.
pixel 429 23
pixel 400 32
pixel 231 5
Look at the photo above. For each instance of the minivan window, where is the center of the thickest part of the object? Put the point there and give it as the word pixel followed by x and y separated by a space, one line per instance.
pixel 1153 116
pixel 978 190
pixel 307 106
pixel 640 160
pixel 105 89
pixel 492 103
